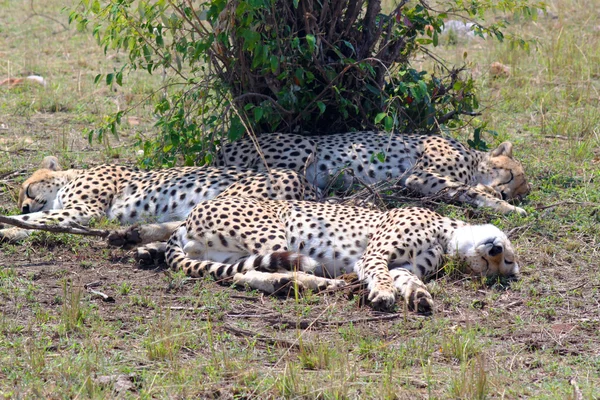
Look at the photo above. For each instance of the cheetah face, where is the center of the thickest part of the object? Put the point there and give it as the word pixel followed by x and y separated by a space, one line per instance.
pixel 505 174
pixel 38 192
pixel 485 249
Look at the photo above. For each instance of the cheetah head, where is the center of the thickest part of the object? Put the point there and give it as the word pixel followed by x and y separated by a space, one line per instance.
pixel 485 249
pixel 502 172
pixel 39 191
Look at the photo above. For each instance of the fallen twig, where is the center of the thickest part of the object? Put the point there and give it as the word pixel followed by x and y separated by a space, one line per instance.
pixel 514 304
pixel 260 337
pixel 74 229
pixel 304 324
pixel 177 308
pixel 103 296
pixel 569 203
pixel 34 13
pixel 242 297
pixel 521 228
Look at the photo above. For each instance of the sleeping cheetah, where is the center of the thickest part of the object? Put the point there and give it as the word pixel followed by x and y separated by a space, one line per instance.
pixel 425 164
pixel 129 195
pixel 266 244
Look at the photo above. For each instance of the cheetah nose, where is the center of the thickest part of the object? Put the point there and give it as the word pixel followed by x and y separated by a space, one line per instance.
pixel 25 209
pixel 495 250
pixel 504 196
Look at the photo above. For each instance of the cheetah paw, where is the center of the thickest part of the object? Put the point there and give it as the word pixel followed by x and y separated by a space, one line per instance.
pixel 382 300
pixel 13 235
pixel 520 211
pixel 420 301
pixel 149 255
pixel 125 237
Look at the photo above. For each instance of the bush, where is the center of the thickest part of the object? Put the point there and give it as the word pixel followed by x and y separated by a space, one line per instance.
pixel 259 66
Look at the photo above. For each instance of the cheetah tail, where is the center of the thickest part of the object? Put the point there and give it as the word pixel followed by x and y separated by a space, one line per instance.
pixel 177 259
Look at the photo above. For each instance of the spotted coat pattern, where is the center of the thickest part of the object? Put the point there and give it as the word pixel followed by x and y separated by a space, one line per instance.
pixel 426 164
pixel 129 195
pixel 268 243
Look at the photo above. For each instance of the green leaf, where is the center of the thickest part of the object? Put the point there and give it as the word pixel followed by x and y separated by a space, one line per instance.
pixel 251 38
pixel 348 44
pixel 97 78
pixel 379 117
pixel 435 38
pixel 321 106
pixel 310 39
pixel 388 123
pixel 274 64
pixel 236 130
pixel 109 78
pixel 258 113
pixel 423 88
pixel 372 89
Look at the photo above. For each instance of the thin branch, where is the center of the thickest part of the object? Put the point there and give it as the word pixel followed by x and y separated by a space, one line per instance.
pixel 569 203
pixel 263 96
pixel 77 230
pixel 446 117
pixel 261 338
pixel 36 14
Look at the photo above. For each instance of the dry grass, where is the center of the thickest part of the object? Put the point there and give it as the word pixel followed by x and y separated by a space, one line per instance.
pixel 167 336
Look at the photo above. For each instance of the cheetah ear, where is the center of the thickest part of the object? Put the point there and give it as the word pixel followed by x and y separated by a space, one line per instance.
pixel 505 149
pixel 51 163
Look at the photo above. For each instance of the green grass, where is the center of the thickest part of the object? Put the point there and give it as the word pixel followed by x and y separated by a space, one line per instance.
pixel 173 337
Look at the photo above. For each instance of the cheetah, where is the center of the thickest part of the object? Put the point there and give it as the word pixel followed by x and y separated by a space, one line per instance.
pixel 129 195
pixel 425 164
pixel 266 244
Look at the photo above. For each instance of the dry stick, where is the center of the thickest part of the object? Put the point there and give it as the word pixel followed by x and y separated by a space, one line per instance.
pixel 74 229
pixel 522 228
pixel 36 14
pixel 103 296
pixel 260 337
pixel 303 324
pixel 375 194
pixel 569 203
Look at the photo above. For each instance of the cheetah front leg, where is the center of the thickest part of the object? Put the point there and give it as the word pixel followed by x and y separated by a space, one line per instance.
pixel 142 234
pixel 373 269
pixel 80 215
pixel 430 183
pixel 413 290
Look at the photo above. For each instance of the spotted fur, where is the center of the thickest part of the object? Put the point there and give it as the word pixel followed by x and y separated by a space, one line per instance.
pixel 267 243
pixel 129 195
pixel 426 164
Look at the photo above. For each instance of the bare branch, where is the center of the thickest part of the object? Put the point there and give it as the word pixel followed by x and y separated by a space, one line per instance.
pixel 77 230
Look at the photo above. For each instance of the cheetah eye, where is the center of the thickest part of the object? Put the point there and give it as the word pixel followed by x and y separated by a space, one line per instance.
pixel 28 194
pixel 512 177
pixel 508 262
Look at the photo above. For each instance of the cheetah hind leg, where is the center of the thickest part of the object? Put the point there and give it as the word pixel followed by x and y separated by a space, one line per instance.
pixel 413 290
pixel 151 253
pixel 283 282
